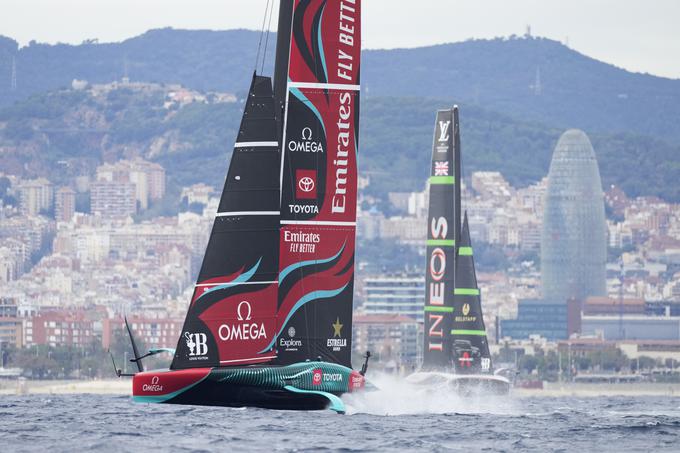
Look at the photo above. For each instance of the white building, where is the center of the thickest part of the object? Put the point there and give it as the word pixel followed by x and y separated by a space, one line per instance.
pixel 395 295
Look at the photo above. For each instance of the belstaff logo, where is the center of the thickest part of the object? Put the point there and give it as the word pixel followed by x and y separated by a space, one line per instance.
pixel 197 343
pixel 465 311
pixel 305 187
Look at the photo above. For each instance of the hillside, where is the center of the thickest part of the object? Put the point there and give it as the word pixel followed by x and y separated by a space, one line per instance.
pixel 202 60
pixel 73 131
pixel 576 91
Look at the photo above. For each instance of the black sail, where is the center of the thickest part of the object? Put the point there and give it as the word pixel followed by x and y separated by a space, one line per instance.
pixel 441 232
pixel 470 344
pixel 277 279
pixel 232 316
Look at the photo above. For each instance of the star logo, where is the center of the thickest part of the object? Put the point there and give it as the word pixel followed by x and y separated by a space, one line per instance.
pixel 337 328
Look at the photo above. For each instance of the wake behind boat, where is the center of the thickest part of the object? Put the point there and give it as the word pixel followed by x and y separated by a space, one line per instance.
pixel 270 320
pixel 456 351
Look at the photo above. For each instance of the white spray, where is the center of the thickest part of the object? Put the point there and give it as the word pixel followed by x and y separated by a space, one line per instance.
pixel 395 396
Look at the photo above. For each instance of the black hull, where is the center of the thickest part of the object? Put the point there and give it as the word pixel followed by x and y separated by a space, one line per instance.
pixel 209 393
pixel 302 386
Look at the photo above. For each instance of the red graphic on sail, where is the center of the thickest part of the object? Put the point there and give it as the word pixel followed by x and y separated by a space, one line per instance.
pixel 243 325
pixel 316 259
pixel 326 42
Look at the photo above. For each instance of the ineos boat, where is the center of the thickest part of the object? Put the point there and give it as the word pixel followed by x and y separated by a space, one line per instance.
pixel 270 321
pixel 456 351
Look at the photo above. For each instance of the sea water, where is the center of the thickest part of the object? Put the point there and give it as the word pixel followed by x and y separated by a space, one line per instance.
pixel 395 418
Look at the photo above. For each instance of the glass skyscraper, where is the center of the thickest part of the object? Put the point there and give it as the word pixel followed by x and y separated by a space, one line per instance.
pixel 573 240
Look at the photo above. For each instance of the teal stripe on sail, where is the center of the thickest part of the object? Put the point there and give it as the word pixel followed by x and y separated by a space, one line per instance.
pixel 298 94
pixel 320 38
pixel 314 295
pixel 246 276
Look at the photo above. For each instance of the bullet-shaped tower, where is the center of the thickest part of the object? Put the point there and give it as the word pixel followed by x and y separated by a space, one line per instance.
pixel 573 241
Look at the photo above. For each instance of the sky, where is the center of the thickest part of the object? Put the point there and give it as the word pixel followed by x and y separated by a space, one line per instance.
pixel 638 35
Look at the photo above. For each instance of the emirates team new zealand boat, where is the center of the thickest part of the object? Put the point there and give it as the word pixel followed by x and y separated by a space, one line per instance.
pixel 456 350
pixel 270 320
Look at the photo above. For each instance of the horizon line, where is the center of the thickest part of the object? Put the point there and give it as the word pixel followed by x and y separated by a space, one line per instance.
pixel 512 37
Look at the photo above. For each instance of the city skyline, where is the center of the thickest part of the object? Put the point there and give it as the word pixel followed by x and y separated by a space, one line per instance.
pixel 195 215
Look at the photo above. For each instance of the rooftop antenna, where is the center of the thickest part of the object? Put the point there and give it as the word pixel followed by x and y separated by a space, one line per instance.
pixel 527 34
pixel 14 74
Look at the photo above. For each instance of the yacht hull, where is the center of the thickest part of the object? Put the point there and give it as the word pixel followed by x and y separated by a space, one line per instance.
pixel 300 386
pixel 463 384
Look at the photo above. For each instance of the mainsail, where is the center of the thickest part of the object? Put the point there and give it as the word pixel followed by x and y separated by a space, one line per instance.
pixel 232 316
pixel 277 279
pixel 319 183
pixel 441 240
pixel 455 336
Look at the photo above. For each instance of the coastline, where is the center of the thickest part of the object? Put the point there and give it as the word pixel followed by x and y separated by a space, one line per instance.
pixel 123 386
pixel 119 386
pixel 586 390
